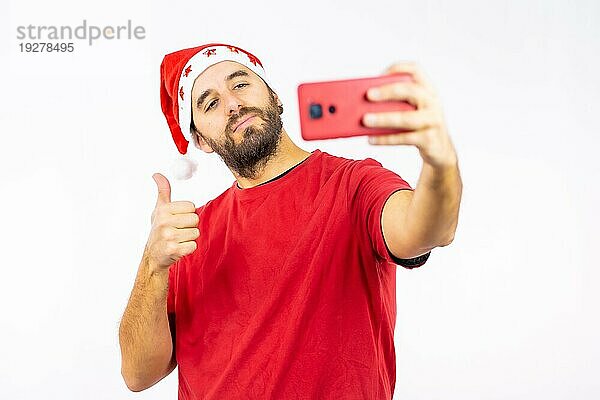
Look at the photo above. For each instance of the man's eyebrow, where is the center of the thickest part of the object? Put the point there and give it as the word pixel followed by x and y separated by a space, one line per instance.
pixel 229 77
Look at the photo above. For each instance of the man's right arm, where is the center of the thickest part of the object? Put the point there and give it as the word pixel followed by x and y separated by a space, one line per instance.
pixel 147 354
pixel 145 336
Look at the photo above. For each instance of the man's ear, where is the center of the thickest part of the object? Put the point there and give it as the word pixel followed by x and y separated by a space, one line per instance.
pixel 200 143
pixel 279 104
pixel 276 98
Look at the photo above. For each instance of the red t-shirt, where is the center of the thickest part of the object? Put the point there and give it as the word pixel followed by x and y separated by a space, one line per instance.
pixel 291 292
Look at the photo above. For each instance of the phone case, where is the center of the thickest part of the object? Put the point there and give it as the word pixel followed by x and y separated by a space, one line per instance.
pixel 334 109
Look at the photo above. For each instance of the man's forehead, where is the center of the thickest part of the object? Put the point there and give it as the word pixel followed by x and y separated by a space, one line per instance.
pixel 217 72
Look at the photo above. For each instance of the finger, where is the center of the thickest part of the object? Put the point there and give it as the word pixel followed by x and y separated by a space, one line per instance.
pixel 410 120
pixel 181 207
pixel 183 220
pixel 164 189
pixel 185 248
pixel 414 138
pixel 409 91
pixel 412 68
pixel 186 234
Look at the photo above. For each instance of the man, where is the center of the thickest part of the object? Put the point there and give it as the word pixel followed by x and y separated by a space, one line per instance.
pixel 283 286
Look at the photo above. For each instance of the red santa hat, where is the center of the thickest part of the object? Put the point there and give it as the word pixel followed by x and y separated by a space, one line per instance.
pixel 178 71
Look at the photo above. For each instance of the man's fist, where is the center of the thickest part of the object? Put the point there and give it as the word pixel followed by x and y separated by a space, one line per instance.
pixel 174 228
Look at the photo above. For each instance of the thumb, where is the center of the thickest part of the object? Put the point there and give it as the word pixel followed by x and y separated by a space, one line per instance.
pixel 164 189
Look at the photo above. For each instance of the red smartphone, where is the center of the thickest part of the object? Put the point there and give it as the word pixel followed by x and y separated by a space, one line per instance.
pixel 334 109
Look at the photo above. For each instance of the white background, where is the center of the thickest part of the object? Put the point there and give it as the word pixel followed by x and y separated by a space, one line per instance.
pixel 508 311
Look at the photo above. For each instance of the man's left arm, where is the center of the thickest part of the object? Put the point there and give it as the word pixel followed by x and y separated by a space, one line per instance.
pixel 414 222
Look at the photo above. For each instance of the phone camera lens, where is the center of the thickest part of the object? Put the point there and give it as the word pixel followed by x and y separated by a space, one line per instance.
pixel 315 111
pixel 331 109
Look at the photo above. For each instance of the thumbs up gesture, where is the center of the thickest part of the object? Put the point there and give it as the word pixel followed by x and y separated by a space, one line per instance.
pixel 174 228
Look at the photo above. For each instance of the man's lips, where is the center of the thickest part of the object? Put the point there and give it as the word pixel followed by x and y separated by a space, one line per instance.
pixel 244 120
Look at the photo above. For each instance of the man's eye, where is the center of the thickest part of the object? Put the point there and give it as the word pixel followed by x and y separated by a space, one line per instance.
pixel 210 105
pixel 214 102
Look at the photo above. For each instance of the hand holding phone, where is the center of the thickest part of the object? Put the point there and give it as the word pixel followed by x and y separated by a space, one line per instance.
pixel 334 109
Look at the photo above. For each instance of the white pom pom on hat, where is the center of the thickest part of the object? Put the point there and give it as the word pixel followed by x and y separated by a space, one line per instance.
pixel 183 167
pixel 178 71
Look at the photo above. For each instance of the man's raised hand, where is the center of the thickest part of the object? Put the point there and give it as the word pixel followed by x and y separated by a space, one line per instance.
pixel 174 228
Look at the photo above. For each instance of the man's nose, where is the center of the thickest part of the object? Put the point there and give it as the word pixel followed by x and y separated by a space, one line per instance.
pixel 233 105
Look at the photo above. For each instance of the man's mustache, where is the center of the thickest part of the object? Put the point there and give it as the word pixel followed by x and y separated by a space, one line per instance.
pixel 236 119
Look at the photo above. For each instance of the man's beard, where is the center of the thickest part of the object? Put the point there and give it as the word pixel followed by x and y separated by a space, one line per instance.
pixel 259 141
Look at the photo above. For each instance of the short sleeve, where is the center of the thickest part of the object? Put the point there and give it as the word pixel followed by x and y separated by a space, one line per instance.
pixel 371 185
pixel 172 287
